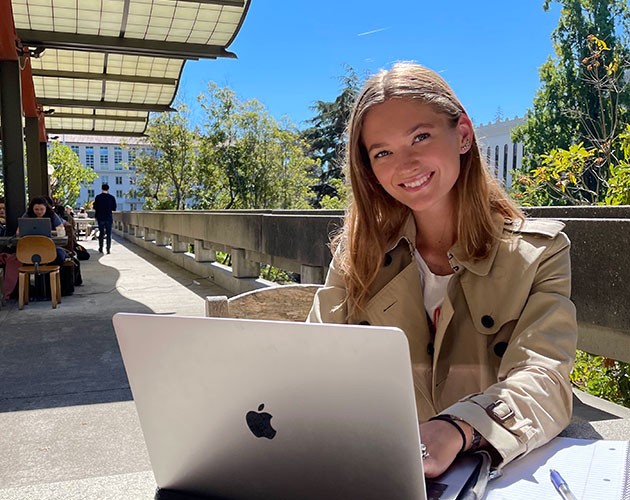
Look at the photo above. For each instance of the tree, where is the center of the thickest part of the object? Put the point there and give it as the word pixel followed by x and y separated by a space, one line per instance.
pixel 248 159
pixel 68 174
pixel 327 136
pixel 583 103
pixel 166 176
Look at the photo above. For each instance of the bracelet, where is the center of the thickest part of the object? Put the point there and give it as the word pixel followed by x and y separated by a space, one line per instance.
pixel 476 441
pixel 451 420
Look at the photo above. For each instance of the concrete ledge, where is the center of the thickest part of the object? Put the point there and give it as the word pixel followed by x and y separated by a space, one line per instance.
pixel 216 272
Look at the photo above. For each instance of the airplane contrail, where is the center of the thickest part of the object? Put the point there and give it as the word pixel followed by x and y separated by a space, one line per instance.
pixel 373 31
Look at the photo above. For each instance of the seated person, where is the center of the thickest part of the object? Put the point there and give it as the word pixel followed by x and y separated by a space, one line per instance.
pixel 3 222
pixel 433 245
pixel 39 208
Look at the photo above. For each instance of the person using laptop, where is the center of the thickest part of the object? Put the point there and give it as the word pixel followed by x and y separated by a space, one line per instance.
pixel 39 208
pixel 432 244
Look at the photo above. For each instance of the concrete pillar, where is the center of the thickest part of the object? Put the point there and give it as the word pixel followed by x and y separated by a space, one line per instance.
pixel 43 171
pixel 204 254
pixel 149 234
pixel 33 163
pixel 138 231
pixel 161 238
pixel 243 268
pixel 12 143
pixel 178 244
pixel 311 274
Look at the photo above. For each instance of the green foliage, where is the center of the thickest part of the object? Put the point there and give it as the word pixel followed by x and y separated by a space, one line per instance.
pixel 619 180
pixel 68 174
pixel 584 97
pixel 327 136
pixel 602 377
pixel 339 200
pixel 166 178
pixel 247 159
pixel 563 178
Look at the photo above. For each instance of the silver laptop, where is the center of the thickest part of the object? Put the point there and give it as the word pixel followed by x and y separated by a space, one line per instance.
pixel 34 226
pixel 246 409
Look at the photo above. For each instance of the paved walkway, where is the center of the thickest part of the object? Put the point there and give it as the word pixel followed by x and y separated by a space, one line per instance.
pixel 68 426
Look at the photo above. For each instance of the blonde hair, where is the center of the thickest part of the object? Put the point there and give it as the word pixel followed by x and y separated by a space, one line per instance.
pixel 374 218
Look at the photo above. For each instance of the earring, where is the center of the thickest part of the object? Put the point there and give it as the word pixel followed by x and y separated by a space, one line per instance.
pixel 465 146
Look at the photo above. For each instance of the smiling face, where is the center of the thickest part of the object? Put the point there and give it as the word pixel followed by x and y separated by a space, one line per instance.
pixel 39 210
pixel 414 152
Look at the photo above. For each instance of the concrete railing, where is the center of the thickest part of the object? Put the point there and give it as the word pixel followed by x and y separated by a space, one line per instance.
pixel 297 241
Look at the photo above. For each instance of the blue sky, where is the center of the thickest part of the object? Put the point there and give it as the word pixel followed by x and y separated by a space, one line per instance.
pixel 293 53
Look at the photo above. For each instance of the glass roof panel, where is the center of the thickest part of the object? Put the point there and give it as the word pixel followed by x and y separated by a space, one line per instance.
pixel 155 21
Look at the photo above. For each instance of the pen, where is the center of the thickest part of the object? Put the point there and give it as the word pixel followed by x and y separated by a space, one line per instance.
pixel 561 485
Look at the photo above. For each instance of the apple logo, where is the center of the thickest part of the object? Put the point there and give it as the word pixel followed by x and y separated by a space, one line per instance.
pixel 260 423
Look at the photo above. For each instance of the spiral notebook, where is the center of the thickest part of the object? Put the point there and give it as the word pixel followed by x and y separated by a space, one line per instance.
pixel 594 470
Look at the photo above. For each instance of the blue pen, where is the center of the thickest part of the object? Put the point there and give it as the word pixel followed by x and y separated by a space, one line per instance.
pixel 561 485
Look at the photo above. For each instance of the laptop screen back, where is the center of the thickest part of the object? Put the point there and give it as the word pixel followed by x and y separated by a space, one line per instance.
pixel 263 409
pixel 33 226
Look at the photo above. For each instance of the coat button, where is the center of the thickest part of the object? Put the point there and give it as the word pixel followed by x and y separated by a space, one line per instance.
pixel 388 260
pixel 430 349
pixel 500 348
pixel 487 321
pixel 364 322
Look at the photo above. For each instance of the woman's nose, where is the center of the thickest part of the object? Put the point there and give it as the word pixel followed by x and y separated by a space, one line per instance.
pixel 407 160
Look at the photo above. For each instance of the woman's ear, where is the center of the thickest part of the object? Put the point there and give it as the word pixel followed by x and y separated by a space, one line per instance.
pixel 466 133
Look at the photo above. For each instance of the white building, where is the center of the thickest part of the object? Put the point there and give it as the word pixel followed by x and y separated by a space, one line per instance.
pixel 112 163
pixel 501 154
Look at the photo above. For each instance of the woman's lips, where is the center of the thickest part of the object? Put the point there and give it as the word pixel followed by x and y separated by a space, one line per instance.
pixel 418 182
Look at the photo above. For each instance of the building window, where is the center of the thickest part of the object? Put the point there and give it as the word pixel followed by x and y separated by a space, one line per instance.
pixel 104 154
pixel 119 193
pixel 505 162
pixel 90 193
pixel 105 179
pixel 496 161
pixel 488 156
pixel 89 157
pixel 75 150
pixel 514 150
pixel 119 179
pixel 133 207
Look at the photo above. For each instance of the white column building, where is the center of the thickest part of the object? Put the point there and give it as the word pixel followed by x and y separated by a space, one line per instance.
pixel 501 154
pixel 112 163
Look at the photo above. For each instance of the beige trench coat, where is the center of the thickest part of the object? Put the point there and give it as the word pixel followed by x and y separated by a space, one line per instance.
pixel 504 345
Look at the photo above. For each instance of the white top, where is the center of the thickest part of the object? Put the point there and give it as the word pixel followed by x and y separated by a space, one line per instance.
pixel 433 288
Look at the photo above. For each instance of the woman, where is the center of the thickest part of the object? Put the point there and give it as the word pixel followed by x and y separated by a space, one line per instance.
pixel 40 208
pixel 432 244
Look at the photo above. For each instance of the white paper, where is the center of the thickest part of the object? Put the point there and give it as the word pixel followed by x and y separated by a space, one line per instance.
pixel 594 470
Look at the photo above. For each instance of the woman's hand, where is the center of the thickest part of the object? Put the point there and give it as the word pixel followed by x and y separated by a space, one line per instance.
pixel 443 443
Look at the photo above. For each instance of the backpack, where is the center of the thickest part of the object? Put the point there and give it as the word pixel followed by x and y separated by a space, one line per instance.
pixel 82 253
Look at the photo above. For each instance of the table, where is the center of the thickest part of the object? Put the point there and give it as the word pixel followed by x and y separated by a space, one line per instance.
pixel 83 226
pixel 11 241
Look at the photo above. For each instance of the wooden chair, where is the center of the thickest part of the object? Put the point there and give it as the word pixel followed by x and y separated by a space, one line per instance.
pixel 35 253
pixel 281 303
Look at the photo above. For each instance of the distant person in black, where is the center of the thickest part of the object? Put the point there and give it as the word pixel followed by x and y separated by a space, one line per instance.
pixel 104 205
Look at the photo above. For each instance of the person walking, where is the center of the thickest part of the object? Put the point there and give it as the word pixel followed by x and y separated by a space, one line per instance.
pixel 104 205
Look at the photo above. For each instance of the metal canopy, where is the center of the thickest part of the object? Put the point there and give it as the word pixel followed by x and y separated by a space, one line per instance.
pixel 106 64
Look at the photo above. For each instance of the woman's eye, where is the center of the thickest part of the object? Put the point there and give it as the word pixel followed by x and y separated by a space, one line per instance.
pixel 381 154
pixel 420 137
